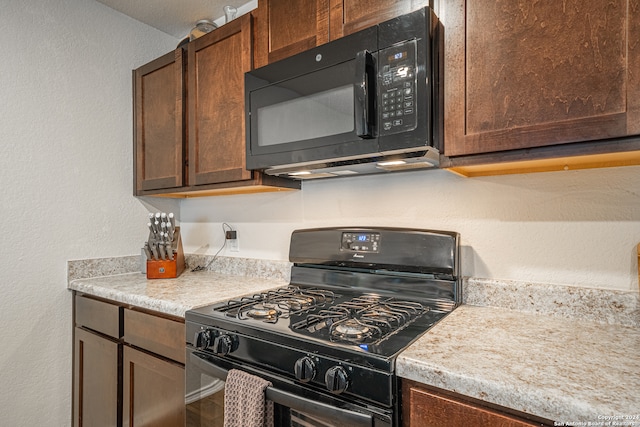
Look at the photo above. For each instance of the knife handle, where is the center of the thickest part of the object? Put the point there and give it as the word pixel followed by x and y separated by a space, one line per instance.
pixel 147 252
pixel 155 252
pixel 162 252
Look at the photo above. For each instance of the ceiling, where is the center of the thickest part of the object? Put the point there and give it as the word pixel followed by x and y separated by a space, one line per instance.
pixel 176 17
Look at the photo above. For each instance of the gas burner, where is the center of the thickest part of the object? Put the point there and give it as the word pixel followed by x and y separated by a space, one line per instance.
pixel 351 330
pixel 297 302
pixel 263 311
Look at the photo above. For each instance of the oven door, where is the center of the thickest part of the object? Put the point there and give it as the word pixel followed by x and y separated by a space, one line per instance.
pixel 294 405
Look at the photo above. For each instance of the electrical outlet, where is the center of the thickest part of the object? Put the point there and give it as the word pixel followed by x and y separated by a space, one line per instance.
pixel 232 240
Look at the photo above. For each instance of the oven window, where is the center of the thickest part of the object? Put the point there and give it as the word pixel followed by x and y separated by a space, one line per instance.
pixel 204 400
pixel 299 419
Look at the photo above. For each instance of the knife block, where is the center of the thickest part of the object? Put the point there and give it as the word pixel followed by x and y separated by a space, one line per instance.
pixel 168 269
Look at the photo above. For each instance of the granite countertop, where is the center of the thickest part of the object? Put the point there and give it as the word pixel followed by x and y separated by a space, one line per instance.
pixel 567 354
pixel 573 372
pixel 173 296
pixel 112 279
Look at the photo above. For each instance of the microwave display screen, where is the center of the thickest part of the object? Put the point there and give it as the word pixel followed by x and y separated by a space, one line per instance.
pixel 397 56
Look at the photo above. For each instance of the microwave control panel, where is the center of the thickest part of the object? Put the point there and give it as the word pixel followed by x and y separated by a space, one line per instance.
pixel 397 81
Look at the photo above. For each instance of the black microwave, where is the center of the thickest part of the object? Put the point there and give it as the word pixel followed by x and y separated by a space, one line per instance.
pixel 365 103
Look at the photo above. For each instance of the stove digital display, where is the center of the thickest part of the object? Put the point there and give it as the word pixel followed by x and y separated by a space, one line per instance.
pixel 360 242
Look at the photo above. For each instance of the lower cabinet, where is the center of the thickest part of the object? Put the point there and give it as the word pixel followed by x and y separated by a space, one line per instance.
pixel 128 366
pixel 95 380
pixel 153 391
pixel 423 406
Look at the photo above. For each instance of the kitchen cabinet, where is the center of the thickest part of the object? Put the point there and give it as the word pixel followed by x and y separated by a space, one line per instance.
pixel 349 16
pixel 287 27
pixel 97 358
pixel 95 386
pixel 424 406
pixel 159 124
pixel 540 81
pixel 128 366
pixel 189 119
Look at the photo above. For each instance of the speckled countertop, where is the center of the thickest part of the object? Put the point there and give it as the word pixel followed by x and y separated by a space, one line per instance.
pixel 567 354
pixel 568 371
pixel 173 296
pixel 228 278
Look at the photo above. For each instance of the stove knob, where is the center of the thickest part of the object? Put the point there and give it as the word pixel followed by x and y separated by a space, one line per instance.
pixel 202 339
pixel 304 369
pixel 336 379
pixel 223 345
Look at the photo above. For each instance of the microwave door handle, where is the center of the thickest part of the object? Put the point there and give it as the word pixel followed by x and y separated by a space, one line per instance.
pixel 365 94
pixel 290 400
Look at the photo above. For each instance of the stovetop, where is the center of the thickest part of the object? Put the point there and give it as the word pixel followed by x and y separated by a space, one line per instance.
pixel 350 320
pixel 358 295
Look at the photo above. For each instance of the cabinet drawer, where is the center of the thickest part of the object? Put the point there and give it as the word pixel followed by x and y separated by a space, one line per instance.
pixel 159 335
pixel 99 316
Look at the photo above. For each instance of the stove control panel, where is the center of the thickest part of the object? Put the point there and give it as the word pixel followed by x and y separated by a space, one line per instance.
pixel 360 242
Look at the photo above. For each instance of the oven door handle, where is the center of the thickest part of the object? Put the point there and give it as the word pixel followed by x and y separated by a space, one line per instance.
pixel 290 400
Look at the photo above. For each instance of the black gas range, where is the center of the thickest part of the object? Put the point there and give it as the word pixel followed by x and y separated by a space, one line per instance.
pixel 328 342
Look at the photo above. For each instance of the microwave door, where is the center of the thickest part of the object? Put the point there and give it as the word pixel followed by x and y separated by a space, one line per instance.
pixel 319 116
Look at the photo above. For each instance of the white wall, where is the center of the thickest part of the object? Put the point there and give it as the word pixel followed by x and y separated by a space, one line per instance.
pixel 65 181
pixel 575 228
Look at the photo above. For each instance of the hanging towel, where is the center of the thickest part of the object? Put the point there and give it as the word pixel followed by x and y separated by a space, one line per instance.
pixel 245 404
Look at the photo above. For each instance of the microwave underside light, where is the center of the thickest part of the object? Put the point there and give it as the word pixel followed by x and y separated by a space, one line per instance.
pixel 430 159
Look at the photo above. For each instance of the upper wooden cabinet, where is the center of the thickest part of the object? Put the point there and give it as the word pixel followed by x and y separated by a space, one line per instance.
pixel 349 16
pixel 217 63
pixel 520 75
pixel 287 27
pixel 190 119
pixel 158 93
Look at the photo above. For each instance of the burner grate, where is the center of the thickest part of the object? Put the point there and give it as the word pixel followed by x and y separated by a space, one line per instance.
pixel 280 303
pixel 365 319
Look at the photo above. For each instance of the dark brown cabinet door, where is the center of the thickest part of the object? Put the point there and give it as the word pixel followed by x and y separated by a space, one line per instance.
pixel 95 380
pixel 159 124
pixel 532 74
pixel 286 27
pixel 349 16
pixel 426 408
pixel 153 391
pixel 217 63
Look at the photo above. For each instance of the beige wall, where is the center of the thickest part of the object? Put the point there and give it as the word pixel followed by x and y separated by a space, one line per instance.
pixel 66 182
pixel 575 228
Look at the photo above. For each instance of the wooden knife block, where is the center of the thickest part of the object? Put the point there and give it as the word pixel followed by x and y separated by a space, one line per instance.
pixel 168 269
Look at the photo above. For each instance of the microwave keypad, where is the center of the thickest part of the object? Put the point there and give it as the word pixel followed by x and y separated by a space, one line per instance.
pixel 397 81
